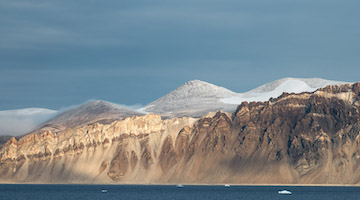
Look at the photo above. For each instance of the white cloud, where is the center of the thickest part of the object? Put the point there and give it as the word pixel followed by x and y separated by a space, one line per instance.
pixel 22 121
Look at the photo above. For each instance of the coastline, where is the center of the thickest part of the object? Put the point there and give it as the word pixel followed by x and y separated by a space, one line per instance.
pixel 189 184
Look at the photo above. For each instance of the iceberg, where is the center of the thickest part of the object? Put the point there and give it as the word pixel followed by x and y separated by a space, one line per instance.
pixel 284 192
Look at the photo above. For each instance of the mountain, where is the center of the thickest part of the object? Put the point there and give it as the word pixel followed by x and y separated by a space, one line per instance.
pixel 4 139
pixel 276 88
pixel 90 112
pixel 305 138
pixel 22 121
pixel 196 98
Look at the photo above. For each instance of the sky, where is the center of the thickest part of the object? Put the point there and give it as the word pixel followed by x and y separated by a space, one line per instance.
pixel 54 54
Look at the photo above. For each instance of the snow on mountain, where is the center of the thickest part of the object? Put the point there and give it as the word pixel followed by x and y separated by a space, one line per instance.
pixel 276 88
pixel 90 112
pixel 21 121
pixel 196 98
pixel 197 89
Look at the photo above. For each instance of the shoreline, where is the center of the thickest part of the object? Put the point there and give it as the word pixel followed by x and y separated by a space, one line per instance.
pixel 190 184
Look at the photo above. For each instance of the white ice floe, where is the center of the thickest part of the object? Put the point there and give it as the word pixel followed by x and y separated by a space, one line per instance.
pixel 286 192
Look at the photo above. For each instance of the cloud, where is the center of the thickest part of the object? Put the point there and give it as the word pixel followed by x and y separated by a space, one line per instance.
pixel 136 51
pixel 22 121
pixel 133 107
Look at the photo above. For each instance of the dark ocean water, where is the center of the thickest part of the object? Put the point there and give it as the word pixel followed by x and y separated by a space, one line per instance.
pixel 171 192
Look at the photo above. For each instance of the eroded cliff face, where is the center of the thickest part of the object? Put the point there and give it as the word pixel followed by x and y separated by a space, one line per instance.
pixel 123 150
pixel 296 138
pixel 315 136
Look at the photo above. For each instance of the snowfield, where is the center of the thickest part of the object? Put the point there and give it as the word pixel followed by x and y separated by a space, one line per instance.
pixel 276 88
pixel 197 98
pixel 194 98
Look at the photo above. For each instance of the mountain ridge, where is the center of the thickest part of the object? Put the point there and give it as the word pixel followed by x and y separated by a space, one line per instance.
pixel 207 97
pixel 291 139
pixel 312 82
pixel 90 112
pixel 193 99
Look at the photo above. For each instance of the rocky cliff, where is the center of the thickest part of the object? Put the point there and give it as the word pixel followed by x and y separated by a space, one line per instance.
pixel 296 138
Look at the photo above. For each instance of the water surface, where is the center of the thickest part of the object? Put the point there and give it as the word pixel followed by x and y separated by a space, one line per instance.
pixel 171 192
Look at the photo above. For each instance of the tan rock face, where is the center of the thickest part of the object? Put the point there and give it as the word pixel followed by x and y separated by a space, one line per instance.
pixel 296 138
pixel 94 152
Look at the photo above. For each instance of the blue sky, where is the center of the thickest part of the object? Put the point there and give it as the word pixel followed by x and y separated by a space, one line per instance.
pixel 54 54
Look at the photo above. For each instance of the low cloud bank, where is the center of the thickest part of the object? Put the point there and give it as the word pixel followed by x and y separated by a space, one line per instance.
pixel 22 121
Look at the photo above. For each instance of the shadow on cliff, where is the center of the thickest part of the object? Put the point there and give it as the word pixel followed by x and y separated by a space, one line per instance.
pixel 253 170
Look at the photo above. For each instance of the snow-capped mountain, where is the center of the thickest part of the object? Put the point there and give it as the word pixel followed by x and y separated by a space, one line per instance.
pixel 276 88
pixel 90 112
pixel 196 98
pixel 21 121
pixel 306 144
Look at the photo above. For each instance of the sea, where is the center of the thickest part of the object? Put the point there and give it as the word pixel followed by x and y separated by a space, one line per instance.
pixel 171 192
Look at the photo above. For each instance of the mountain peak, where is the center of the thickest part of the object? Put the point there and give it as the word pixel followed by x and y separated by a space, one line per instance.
pixel 197 82
pixel 275 88
pixel 199 89
pixel 295 85
pixel 92 111
pixel 194 98
pixel 101 104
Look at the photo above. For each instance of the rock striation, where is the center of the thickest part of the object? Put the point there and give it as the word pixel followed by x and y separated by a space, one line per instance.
pixel 306 138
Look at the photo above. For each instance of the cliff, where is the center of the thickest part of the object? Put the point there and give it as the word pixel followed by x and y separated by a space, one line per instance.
pixel 296 138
